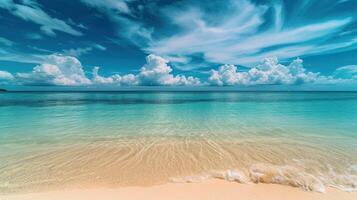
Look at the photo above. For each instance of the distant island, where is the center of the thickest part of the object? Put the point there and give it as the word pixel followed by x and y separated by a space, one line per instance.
pixel 3 90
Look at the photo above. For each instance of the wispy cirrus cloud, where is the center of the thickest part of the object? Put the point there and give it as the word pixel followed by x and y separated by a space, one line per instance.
pixel 18 56
pixel 29 10
pixel 241 35
pixel 127 20
pixel 187 35
pixel 6 42
pixel 240 32
pixel 76 52
pixel 10 52
pixel 346 72
pixel 120 6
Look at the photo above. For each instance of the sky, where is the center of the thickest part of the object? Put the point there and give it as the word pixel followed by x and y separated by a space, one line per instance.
pixel 247 44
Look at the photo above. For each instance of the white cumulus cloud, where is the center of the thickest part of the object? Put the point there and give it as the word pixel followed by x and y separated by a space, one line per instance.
pixel 4 75
pixel 116 79
pixel 64 70
pixel 56 70
pixel 156 71
pixel 269 72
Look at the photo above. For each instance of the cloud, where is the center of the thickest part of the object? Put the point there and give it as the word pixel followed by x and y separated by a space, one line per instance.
pixel 4 75
pixel 6 42
pixel 64 70
pixel 76 52
pixel 9 54
pixel 157 72
pixel 119 6
pixel 239 32
pixel 100 47
pixel 269 72
pixel 346 72
pixel 127 23
pixel 116 79
pixel 244 35
pixel 56 70
pixel 29 10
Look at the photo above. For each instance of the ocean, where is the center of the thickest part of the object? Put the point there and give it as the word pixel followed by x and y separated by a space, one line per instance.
pixel 60 140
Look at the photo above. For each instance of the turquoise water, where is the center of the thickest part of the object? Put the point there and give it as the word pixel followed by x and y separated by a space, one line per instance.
pixel 27 118
pixel 33 122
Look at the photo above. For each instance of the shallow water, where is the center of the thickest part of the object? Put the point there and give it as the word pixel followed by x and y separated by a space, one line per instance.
pixel 55 140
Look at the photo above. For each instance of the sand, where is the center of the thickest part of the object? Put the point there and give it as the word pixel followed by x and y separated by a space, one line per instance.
pixel 153 161
pixel 212 189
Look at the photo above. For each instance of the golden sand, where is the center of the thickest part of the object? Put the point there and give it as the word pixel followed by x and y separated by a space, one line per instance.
pixel 148 162
pixel 210 190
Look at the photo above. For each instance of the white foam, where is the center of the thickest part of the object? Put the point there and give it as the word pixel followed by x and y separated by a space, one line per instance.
pixel 190 179
pixel 346 182
pixel 284 175
pixel 230 175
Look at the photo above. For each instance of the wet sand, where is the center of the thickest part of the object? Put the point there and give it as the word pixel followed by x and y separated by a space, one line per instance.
pixel 129 163
pixel 208 190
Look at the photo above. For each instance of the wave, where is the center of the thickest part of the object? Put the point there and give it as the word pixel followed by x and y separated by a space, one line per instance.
pixel 283 175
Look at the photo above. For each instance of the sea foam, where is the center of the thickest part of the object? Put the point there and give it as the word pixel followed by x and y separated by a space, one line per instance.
pixel 283 175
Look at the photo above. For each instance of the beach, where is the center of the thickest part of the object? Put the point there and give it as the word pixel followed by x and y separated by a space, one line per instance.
pixel 213 189
pixel 139 145
pixel 178 100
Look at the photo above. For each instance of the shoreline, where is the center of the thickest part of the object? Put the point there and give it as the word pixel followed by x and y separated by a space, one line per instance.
pixel 127 163
pixel 211 189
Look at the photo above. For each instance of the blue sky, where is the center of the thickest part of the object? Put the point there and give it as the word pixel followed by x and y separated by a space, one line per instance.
pixel 130 43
